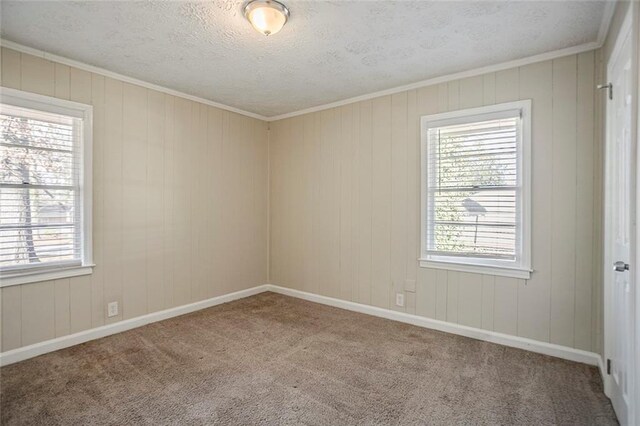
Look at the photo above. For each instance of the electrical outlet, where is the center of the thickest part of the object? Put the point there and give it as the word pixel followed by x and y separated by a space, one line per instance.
pixel 112 309
pixel 399 299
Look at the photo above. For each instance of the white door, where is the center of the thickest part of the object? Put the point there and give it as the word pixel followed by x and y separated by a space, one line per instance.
pixel 619 230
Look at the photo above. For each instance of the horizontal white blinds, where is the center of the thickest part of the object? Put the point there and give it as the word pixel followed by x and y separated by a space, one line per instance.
pixel 39 189
pixel 473 189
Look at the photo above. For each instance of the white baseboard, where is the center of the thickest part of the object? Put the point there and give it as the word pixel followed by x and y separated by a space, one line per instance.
pixel 545 348
pixel 26 352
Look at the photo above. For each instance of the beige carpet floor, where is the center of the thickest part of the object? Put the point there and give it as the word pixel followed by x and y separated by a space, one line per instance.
pixel 272 359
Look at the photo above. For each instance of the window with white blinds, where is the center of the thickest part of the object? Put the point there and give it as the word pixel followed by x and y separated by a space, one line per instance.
pixel 42 185
pixel 476 193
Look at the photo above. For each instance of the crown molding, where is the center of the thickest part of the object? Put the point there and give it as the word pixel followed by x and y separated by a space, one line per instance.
pixel 97 70
pixel 602 35
pixel 448 77
pixel 607 17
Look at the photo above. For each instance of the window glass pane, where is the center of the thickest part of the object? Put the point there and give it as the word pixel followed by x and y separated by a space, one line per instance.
pixel 475 154
pixel 36 166
pixel 475 223
pixel 39 192
pixel 473 193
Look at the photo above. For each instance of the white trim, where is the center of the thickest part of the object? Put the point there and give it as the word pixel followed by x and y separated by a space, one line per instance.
pixel 86 188
pixel 449 77
pixel 23 99
pixel 524 274
pixel 97 70
pixel 428 82
pixel 602 368
pixel 522 267
pixel 626 30
pixel 571 354
pixel 45 275
pixel 26 352
pixel 84 112
pixel 545 348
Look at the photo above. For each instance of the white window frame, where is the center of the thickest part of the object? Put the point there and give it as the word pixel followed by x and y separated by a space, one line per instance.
pixel 521 268
pixel 49 104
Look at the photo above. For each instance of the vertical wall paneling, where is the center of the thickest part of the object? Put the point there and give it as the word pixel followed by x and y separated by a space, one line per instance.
pixel 398 230
pixel 134 196
pixel 168 249
pixel 80 303
pixel 198 177
pixel 488 301
pixel 182 201
pixel 472 92
pixel 365 206
pixel 413 190
pixel 430 293
pixel 507 85
pixel 62 81
pixel 344 205
pixel 330 199
pixel 11 71
pixel 215 230
pixel 563 236
pixel 534 295
pixel 161 187
pixel 505 309
pixel 37 312
pixel 345 158
pixel 355 200
pixel 112 257
pixel 442 294
pixel 584 201
pixel 11 318
pixel 97 278
pixel 489 89
pixel 380 206
pixel 426 290
pixel 155 179
pixel 324 220
pixel 79 86
pixel 311 201
pixel 453 283
pixel 469 293
pixel 453 89
pixel 381 150
pixel 61 307
pixel 38 75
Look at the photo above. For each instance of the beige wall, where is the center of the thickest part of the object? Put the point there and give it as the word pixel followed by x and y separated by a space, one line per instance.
pixel 344 215
pixel 180 205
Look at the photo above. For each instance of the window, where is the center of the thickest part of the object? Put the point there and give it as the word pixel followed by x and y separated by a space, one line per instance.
pixel 475 186
pixel 45 188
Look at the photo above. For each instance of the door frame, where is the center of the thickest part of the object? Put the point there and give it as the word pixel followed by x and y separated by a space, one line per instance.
pixel 628 28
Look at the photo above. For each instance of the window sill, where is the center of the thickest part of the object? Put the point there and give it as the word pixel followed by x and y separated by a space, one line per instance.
pixel 44 275
pixel 520 273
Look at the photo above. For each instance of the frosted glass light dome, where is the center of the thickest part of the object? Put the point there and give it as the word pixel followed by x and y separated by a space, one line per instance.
pixel 266 16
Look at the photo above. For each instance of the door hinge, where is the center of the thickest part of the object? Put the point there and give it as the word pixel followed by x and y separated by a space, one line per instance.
pixel 608 366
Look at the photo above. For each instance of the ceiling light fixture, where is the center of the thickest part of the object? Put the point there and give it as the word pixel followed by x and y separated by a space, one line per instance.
pixel 267 16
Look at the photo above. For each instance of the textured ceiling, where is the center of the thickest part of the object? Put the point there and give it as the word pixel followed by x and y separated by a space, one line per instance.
pixel 328 51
